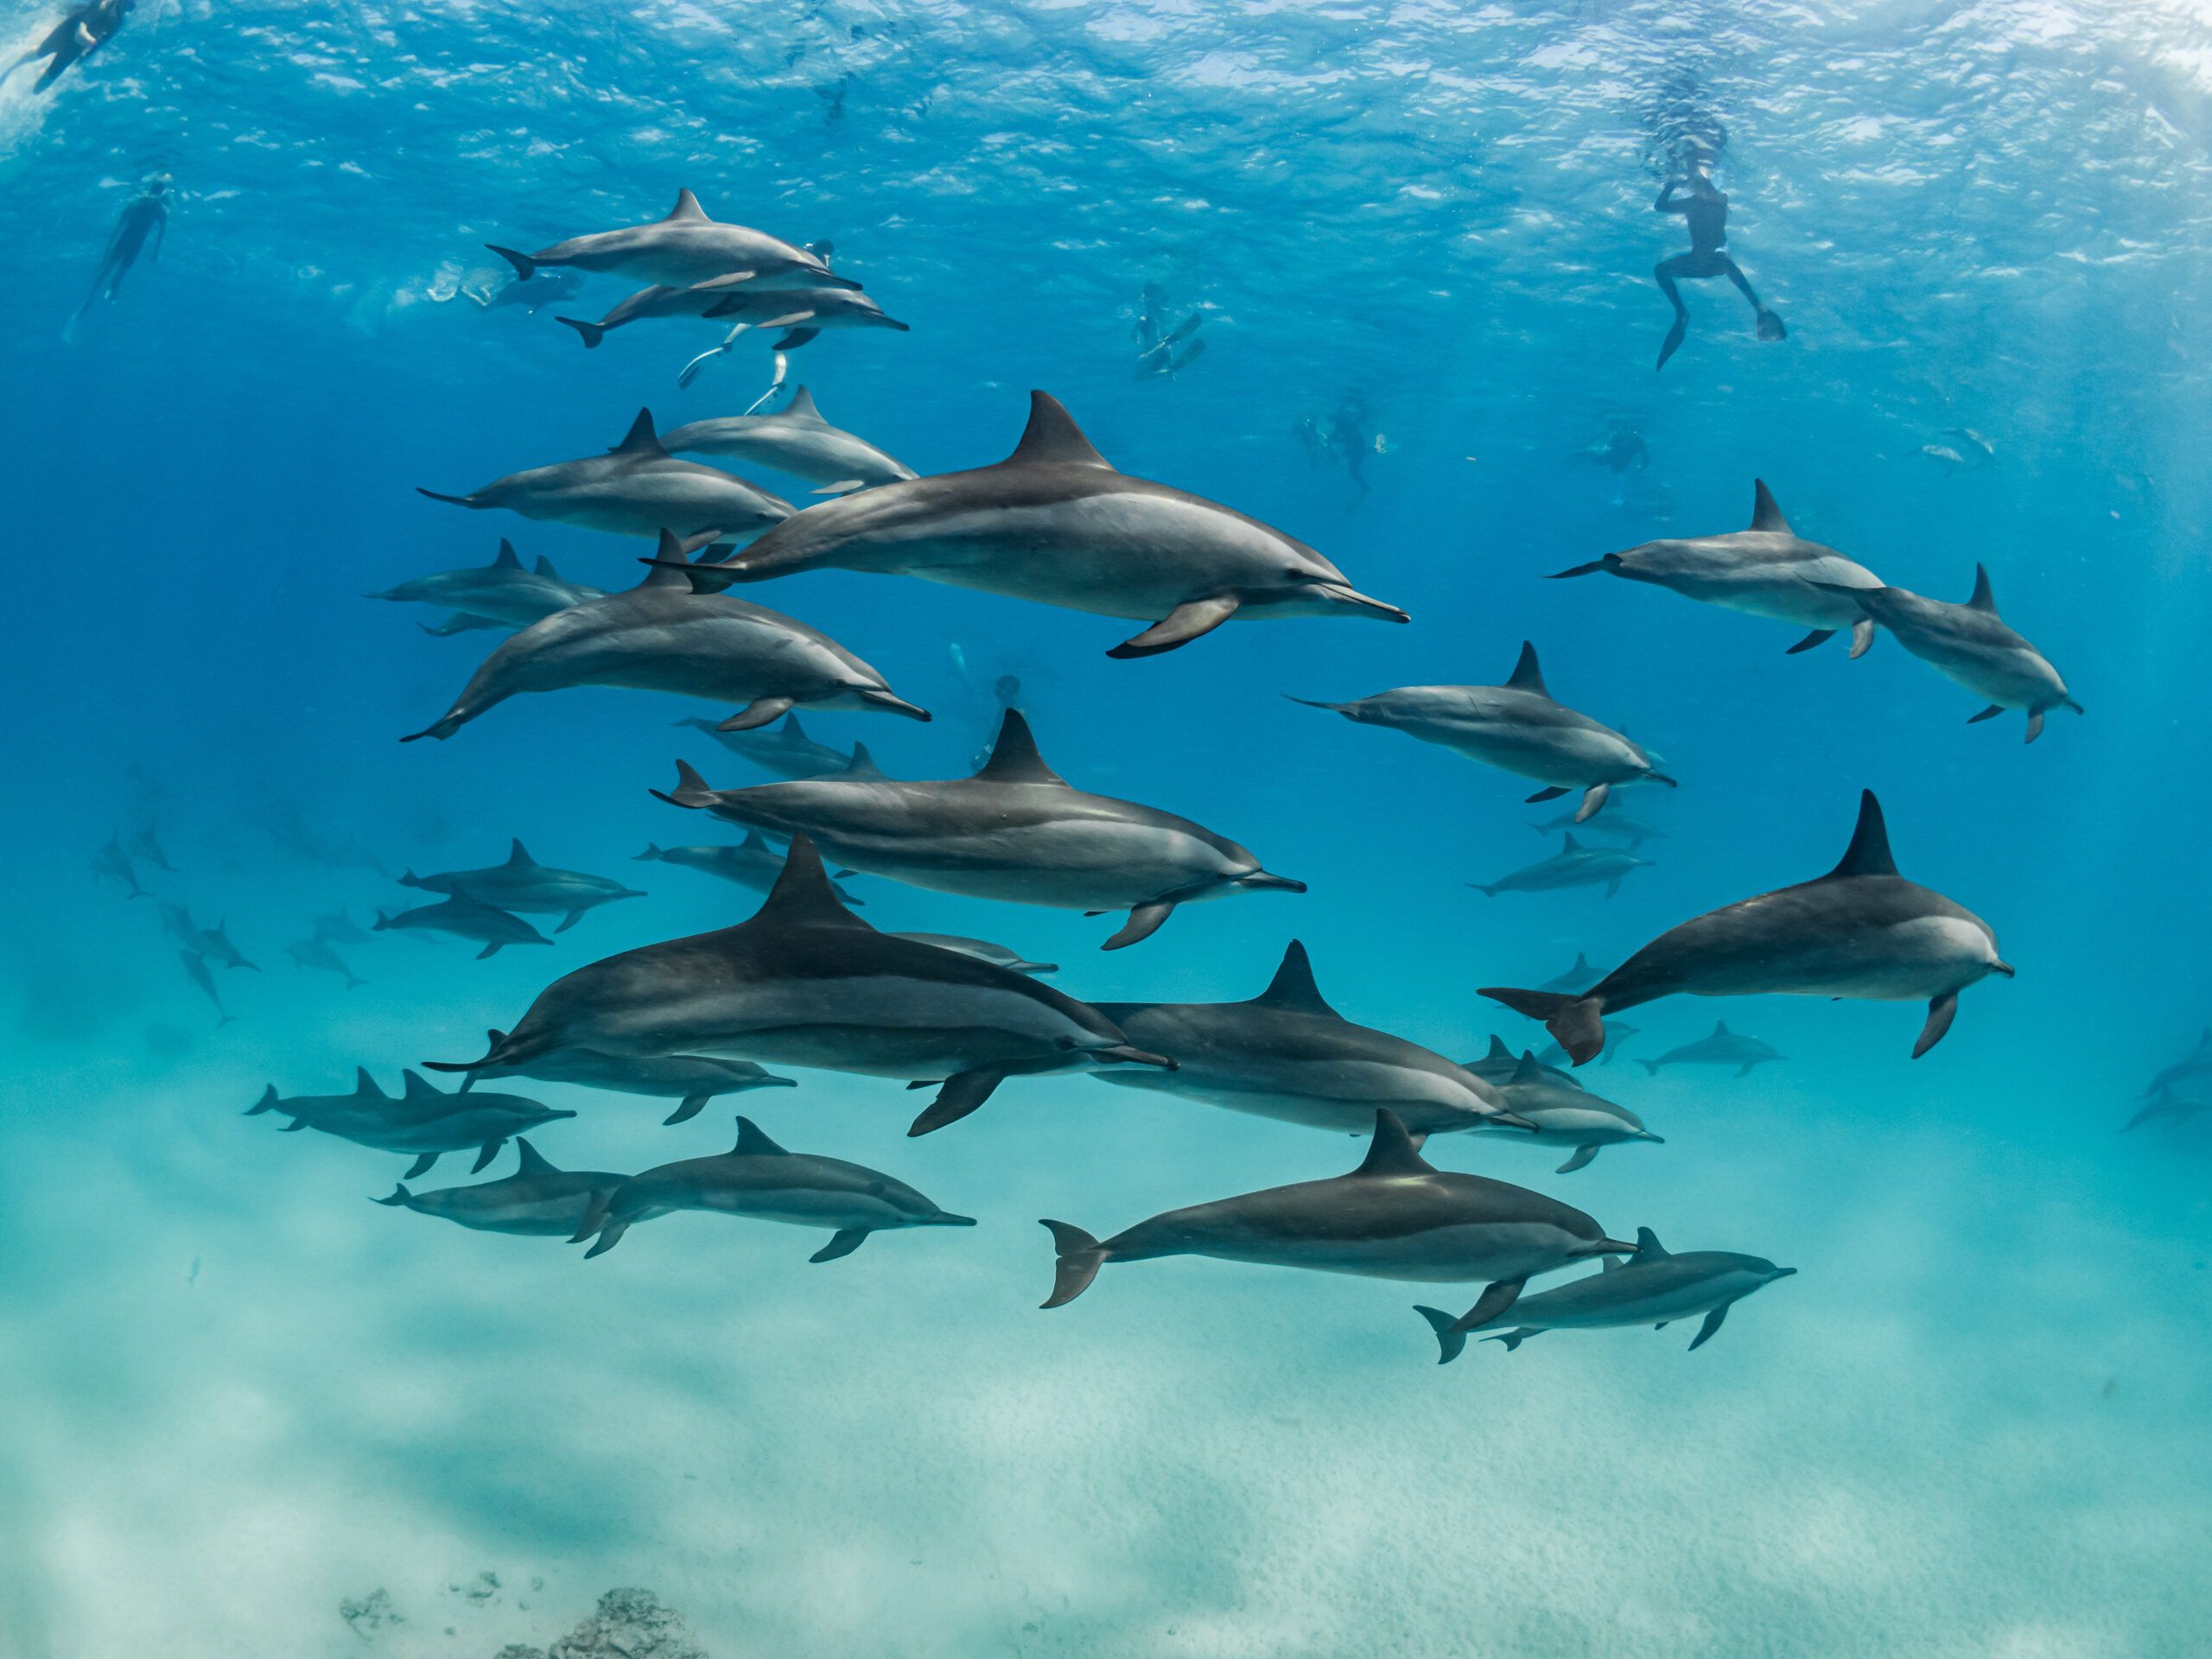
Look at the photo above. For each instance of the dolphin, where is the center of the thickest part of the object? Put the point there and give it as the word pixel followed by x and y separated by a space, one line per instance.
pixel 807 982
pixel 145 846
pixel 1286 1054
pixel 423 1121
pixel 195 969
pixel 523 885
pixel 637 489
pixel 111 863
pixel 1768 570
pixel 215 943
pixel 753 863
pixel 1565 1113
pixel 663 299
pixel 314 951
pixel 1656 1288
pixel 1862 931
pixel 1617 1032
pixel 2179 1107
pixel 1580 978
pixel 1615 825
pixel 784 750
pixel 1971 644
pixel 177 923
pixel 660 636
pixel 797 441
pixel 1015 830
pixel 757 1178
pixel 338 928
pixel 1056 524
pixel 803 315
pixel 1573 865
pixel 499 594
pixel 691 1080
pixel 685 250
pixel 536 1201
pixel 2197 1062
pixel 982 950
pixel 1502 1065
pixel 1723 1047
pixel 1515 727
pixel 1396 1217
pixel 466 919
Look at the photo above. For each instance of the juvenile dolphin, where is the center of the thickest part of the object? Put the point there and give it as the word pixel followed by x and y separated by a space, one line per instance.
pixel 784 750
pixel 753 863
pixel 661 300
pixel 807 982
pixel 1565 1113
pixel 982 950
pixel 2179 1107
pixel 1286 1054
pixel 1396 1217
pixel 1656 1288
pixel 1015 830
pixel 1971 644
pixel 195 969
pixel 795 440
pixel 423 1121
pixel 1573 865
pixel 757 1178
pixel 1615 825
pixel 316 952
pixel 111 863
pixel 1723 1047
pixel 803 315
pixel 1579 978
pixel 523 885
pixel 691 1079
pixel 1516 727
pixel 536 1201
pixel 1862 931
pixel 1768 570
pixel 1054 522
pixel 684 250
pixel 338 928
pixel 501 592
pixel 466 919
pixel 637 489
pixel 660 636
pixel 2197 1062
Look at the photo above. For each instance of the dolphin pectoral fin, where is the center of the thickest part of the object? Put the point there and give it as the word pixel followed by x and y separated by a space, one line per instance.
pixel 841 486
pixel 609 1237
pixel 485 1155
pixel 1593 799
pixel 2035 725
pixel 691 1107
pixel 1990 713
pixel 1551 794
pixel 1451 1341
pixel 1941 1013
pixel 421 1166
pixel 963 1093
pixel 843 1241
pixel 1144 921
pixel 1712 1324
pixel 793 340
pixel 1612 886
pixel 1190 620
pixel 1080 1258
pixel 1747 1068
pixel 1582 1158
pixel 299 1123
pixel 1862 636
pixel 491 949
pixel 1817 636
pixel 1492 1303
pixel 569 921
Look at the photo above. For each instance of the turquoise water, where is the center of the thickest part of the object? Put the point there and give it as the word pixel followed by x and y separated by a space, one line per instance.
pixel 237 1396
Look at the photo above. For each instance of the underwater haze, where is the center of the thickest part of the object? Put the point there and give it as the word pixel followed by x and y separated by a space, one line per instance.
pixel 248 1413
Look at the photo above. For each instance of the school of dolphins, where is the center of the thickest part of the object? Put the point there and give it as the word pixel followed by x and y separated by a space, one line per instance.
pixel 808 982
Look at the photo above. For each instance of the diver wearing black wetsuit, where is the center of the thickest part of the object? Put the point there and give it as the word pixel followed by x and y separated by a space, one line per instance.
pixel 76 35
pixel 145 215
pixel 1705 209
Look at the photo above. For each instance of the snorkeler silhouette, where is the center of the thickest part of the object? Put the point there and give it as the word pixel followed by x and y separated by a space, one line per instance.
pixel 76 35
pixel 1694 195
pixel 1157 358
pixel 146 214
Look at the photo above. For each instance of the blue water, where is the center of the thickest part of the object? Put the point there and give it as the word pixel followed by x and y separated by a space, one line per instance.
pixel 236 1396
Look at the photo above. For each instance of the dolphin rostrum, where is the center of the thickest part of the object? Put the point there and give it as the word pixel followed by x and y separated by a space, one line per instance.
pixel 691 1080
pixel 685 249
pixel 784 750
pixel 1862 931
pixel 1573 865
pixel 751 863
pixel 1656 1289
pixel 1516 727
pixel 757 1178
pixel 796 439
pixel 1396 1217
pixel 466 919
pixel 1768 570
pixel 1056 524
pixel 536 1201
pixel 1723 1047
pixel 523 885
pixel 1565 1113
pixel 502 593
pixel 807 982
pixel 1015 830
pixel 660 636
pixel 423 1121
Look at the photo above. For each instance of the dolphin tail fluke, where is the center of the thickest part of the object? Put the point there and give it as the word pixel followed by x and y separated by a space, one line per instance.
pixel 843 1241
pixel 1941 1013
pixel 1578 1022
pixel 1650 1067
pixel 1488 889
pixel 1490 1304
pixel 442 729
pixel 590 333
pixel 268 1104
pixel 962 1094
pixel 1315 702
pixel 526 266
pixel 1080 1258
pixel 691 1107
pixel 511 1049
pixel 1589 569
pixel 469 502
pixel 1451 1341
pixel 399 1195
pixel 1817 636
pixel 1144 921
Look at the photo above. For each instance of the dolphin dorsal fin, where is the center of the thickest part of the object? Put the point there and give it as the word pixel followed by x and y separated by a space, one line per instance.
pixel 665 569
pixel 518 857
pixel 802 404
pixel 802 896
pixel 752 1141
pixel 1983 599
pixel 1525 674
pixel 545 568
pixel 1529 1071
pixel 1498 1050
pixel 1868 852
pixel 640 439
pixel 418 1088
pixel 1581 962
pixel 533 1161
pixel 1293 989
pixel 687 208
pixel 507 559
pixel 1647 1247
pixel 365 1085
pixel 1052 435
pixel 792 729
pixel 755 840
pixel 1572 846
pixel 863 765
pixel 1392 1152
pixel 1013 758
pixel 1765 515
pixel 1720 1028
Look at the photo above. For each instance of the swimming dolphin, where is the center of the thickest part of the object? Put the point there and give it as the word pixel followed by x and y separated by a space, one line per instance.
pixel 1015 830
pixel 795 440
pixel 807 982
pixel 691 1079
pixel 982 950
pixel 1971 644
pixel 212 943
pixel 145 846
pixel 1862 931
pixel 111 863
pixel 804 315
pixel 466 919
pixel 1579 978
pixel 1723 1047
pixel 525 887
pixel 1565 1113
pixel 1286 1054
pixel 2197 1062
pixel 1656 1288
pixel 757 1178
pixel 784 750
pixel 1573 865
pixel 1516 727
pixel 660 636
pixel 423 1121
pixel 685 250
pixel 1768 570
pixel 1396 1217
pixel 536 1201
pixel 1054 522
pixel 1501 1066
pixel 195 969
pixel 1615 826
pixel 500 595
pixel 2179 1107
pixel 338 928
pixel 637 489
pixel 661 300
pixel 316 952
pixel 753 863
